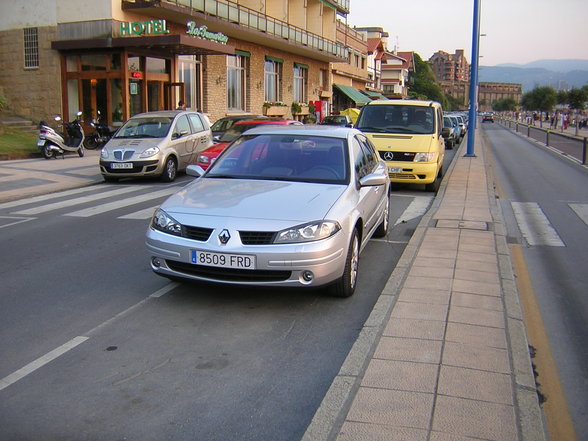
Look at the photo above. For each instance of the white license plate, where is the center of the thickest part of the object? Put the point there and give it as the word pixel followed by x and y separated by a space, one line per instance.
pixel 121 165
pixel 223 260
pixel 40 143
pixel 394 170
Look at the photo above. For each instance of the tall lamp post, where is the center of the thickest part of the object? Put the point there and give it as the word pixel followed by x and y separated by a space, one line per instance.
pixel 474 80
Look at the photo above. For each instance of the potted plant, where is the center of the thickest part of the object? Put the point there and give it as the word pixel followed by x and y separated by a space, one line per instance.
pixel 299 108
pixel 274 108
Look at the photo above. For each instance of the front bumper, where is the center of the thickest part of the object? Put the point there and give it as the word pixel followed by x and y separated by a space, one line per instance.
pixel 286 265
pixel 151 167
pixel 412 172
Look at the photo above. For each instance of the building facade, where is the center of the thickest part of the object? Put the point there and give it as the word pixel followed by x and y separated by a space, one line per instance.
pixel 396 73
pixel 123 57
pixel 489 93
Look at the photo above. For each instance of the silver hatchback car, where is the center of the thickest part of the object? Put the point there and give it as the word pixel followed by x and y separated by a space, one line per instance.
pixel 281 206
pixel 155 144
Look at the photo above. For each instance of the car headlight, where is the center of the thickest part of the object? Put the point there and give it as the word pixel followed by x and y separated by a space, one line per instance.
pixel 203 159
pixel 104 153
pixel 149 152
pixel 164 222
pixel 424 157
pixel 308 232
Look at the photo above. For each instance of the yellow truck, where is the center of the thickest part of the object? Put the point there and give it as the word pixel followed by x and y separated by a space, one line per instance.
pixel 407 134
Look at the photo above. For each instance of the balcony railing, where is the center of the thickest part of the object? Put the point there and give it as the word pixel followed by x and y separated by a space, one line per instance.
pixel 234 13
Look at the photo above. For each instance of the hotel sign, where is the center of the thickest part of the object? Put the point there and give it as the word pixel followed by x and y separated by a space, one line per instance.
pixel 150 27
pixel 204 33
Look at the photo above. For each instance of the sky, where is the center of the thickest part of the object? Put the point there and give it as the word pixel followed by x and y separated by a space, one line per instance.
pixel 517 31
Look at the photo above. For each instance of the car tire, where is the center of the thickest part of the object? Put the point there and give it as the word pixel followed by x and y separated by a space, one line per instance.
pixel 170 170
pixel 345 286
pixel 434 186
pixel 382 229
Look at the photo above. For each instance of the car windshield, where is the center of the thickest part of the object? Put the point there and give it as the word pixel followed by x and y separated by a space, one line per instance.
pixel 335 119
pixel 397 119
pixel 297 158
pixel 151 127
pixel 234 132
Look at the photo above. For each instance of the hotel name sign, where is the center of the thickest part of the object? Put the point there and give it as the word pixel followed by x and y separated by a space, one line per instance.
pixel 158 27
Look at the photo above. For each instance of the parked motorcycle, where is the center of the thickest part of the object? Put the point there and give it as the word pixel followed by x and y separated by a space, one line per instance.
pixel 100 136
pixel 52 142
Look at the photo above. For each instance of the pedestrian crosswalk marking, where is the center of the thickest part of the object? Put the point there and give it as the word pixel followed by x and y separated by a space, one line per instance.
pixel 76 201
pixel 45 197
pixel 534 225
pixel 141 214
pixel 103 208
pixel 581 210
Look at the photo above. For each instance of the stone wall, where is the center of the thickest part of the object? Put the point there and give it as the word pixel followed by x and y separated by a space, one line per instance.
pixel 32 93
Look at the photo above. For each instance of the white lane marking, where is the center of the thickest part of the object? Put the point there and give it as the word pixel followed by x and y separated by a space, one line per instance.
pixel 581 210
pixel 74 342
pixel 17 220
pixel 122 203
pixel 416 208
pixel 77 201
pixel 141 214
pixel 534 225
pixel 45 197
pixel 40 362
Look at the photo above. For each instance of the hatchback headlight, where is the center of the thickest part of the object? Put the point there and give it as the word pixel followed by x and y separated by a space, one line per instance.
pixel 164 222
pixel 308 232
pixel 424 157
pixel 149 152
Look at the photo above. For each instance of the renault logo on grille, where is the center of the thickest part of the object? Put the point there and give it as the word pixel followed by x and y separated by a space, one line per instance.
pixel 224 236
pixel 388 156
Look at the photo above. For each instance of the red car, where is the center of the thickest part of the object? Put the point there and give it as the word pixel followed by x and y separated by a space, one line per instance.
pixel 207 157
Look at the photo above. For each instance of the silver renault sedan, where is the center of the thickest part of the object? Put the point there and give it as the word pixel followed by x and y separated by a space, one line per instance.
pixel 281 206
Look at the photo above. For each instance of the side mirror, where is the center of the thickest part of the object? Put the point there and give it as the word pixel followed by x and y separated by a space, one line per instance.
pixel 194 170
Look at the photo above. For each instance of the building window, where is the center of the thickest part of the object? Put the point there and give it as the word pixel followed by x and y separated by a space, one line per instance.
pixel 236 82
pixel 300 83
pixel 273 80
pixel 31 48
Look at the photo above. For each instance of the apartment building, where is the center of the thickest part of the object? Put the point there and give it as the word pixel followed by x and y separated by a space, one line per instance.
pixel 396 74
pixel 450 67
pixel 123 57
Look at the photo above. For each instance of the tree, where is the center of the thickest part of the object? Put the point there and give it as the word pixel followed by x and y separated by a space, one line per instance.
pixel 504 104
pixel 425 84
pixel 562 97
pixel 577 98
pixel 540 98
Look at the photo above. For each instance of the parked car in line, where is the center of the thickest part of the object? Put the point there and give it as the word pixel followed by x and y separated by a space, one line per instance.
pixel 488 117
pixel 462 124
pixel 287 206
pixel 450 132
pixel 460 127
pixel 407 134
pixel 155 144
pixel 221 125
pixel 209 155
pixel 337 120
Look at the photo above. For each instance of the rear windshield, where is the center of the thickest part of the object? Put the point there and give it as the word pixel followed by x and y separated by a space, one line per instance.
pixel 397 119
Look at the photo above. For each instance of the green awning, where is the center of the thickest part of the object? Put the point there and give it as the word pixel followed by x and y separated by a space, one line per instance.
pixel 242 53
pixel 353 94
pixel 376 95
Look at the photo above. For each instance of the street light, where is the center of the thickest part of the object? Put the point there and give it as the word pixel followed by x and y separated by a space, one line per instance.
pixel 474 80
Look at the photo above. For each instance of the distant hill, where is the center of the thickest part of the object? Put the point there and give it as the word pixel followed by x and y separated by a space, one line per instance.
pixel 559 74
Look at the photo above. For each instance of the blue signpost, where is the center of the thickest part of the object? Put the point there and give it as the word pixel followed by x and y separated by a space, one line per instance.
pixel 474 80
